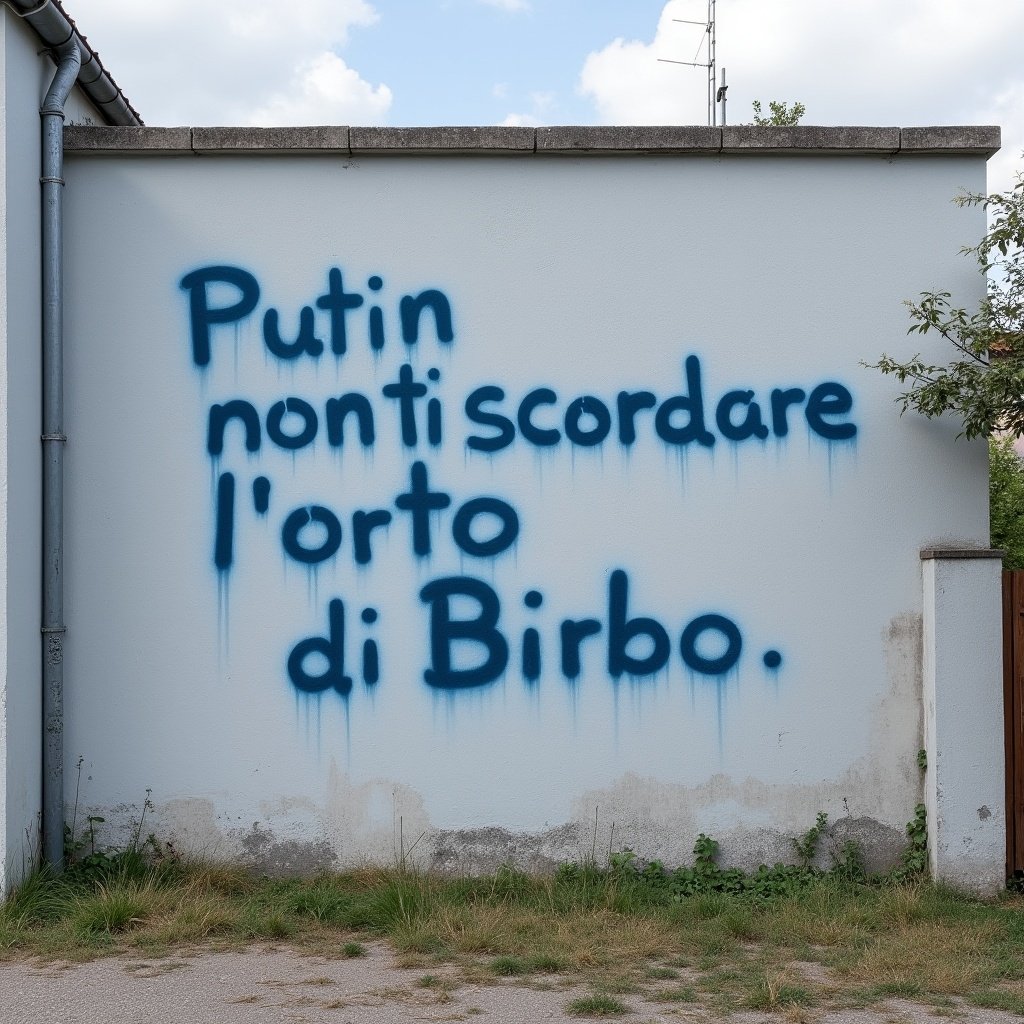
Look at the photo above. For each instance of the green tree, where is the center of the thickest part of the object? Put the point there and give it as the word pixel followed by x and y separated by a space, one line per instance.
pixel 780 116
pixel 1006 500
pixel 982 383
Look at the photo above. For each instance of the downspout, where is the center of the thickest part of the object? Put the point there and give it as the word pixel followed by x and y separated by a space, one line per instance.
pixel 76 61
pixel 69 63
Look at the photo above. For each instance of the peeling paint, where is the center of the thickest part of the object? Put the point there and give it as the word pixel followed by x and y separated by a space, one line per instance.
pixel 484 850
pixel 267 855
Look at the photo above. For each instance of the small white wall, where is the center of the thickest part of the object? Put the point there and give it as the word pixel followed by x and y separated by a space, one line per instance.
pixel 20 715
pixel 588 276
pixel 963 716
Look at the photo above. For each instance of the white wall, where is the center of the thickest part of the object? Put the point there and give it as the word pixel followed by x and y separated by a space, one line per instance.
pixel 963 721
pixel 20 715
pixel 3 455
pixel 25 75
pixel 588 276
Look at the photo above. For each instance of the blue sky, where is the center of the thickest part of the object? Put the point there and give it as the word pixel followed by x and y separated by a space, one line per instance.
pixel 414 62
pixel 499 61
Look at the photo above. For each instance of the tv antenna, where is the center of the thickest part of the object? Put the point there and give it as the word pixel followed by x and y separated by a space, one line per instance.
pixel 716 92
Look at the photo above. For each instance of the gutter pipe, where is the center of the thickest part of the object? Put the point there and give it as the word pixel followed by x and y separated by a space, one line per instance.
pixel 56 28
pixel 54 439
pixel 76 62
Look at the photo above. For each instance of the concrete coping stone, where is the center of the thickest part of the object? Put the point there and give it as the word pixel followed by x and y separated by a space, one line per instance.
pixel 810 139
pixel 574 140
pixel 636 139
pixel 928 554
pixel 328 139
pixel 82 138
pixel 942 138
pixel 450 139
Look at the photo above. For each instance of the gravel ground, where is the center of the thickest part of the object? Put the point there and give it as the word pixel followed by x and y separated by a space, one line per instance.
pixel 274 985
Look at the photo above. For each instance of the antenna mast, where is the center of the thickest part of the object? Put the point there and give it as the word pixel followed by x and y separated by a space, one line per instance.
pixel 709 64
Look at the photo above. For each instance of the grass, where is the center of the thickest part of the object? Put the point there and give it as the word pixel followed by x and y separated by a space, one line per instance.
pixel 686 994
pixel 829 943
pixel 661 973
pixel 509 966
pixel 999 1000
pixel 776 993
pixel 597 1005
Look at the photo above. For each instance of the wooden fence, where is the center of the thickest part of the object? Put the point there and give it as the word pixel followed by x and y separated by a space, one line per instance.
pixel 1013 696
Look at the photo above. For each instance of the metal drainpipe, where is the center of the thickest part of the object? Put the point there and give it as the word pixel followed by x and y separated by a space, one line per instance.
pixel 69 62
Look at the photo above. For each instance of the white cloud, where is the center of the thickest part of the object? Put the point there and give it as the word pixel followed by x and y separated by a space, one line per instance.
pixel 513 6
pixel 542 103
pixel 1007 109
pixel 522 121
pixel 500 90
pixel 325 91
pixel 864 62
pixel 234 61
pixel 629 86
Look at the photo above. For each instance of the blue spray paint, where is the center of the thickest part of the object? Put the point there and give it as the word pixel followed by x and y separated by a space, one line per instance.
pixel 482 631
pixel 224 533
pixel 530 656
pixel 202 315
pixel 294 527
pixel 261 495
pixel 468 651
pixel 678 421
pixel 371 652
pixel 336 302
pixel 331 648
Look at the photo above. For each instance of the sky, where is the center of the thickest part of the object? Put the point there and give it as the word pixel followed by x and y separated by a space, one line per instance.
pixel 536 62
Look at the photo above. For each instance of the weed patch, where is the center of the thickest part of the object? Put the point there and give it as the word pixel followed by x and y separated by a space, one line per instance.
pixel 683 994
pixel 509 966
pixel 995 999
pixel 782 939
pixel 661 973
pixel 597 1006
pixel 773 993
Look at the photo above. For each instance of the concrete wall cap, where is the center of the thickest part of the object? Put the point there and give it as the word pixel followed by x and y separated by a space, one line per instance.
pixel 810 139
pixel 581 140
pixel 629 139
pixel 102 139
pixel 320 139
pixel 927 554
pixel 451 139
pixel 984 139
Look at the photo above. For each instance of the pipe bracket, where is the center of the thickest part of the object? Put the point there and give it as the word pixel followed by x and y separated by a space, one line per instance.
pixel 63 438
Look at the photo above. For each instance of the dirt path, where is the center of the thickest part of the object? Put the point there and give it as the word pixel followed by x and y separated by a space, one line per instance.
pixel 280 985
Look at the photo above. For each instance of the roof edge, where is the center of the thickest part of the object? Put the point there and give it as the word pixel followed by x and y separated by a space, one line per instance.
pixel 54 26
pixel 580 140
